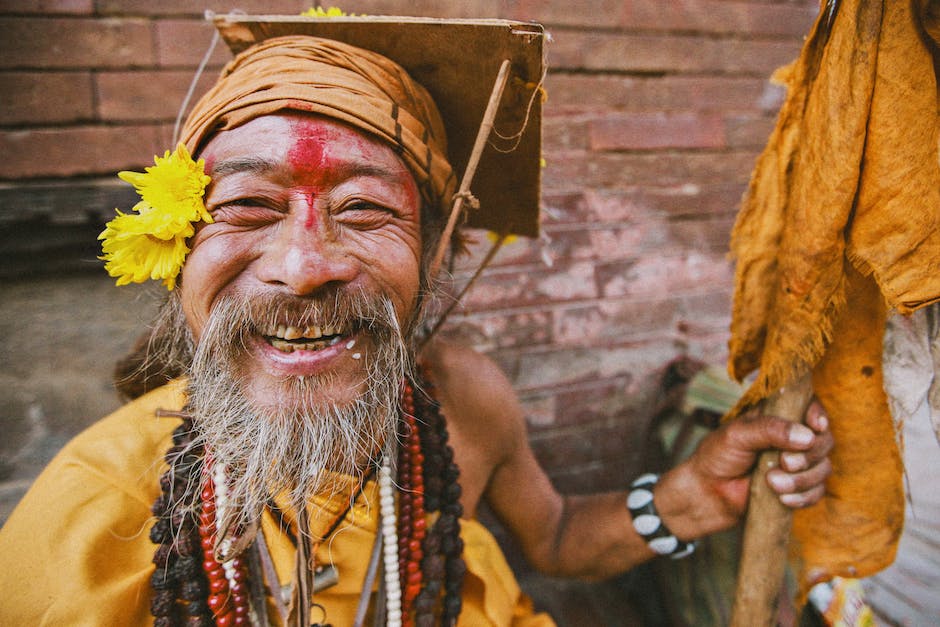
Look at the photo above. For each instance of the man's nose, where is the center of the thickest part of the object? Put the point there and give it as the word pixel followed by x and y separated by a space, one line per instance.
pixel 305 260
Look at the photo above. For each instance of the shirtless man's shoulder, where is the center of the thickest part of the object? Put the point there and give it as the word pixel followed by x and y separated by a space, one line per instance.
pixel 484 418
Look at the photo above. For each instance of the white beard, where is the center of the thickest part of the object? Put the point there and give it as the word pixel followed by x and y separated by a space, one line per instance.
pixel 293 447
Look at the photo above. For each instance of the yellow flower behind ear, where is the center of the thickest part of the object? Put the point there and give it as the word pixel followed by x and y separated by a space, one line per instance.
pixel 175 183
pixel 151 244
pixel 141 246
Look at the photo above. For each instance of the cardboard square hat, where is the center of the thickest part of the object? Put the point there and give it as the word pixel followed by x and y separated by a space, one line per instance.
pixel 457 61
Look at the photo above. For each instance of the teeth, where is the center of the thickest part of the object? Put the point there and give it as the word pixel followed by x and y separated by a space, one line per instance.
pixel 313 344
pixel 283 346
pixel 286 332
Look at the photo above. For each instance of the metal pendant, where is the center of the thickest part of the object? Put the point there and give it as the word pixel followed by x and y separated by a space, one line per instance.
pixel 325 577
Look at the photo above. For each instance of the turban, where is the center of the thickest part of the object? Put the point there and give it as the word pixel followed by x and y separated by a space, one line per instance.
pixel 336 80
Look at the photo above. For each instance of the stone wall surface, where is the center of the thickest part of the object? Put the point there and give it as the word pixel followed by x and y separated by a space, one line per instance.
pixel 656 112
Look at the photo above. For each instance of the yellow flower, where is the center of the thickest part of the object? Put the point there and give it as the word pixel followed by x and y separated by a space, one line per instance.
pixel 328 12
pixel 151 244
pixel 175 183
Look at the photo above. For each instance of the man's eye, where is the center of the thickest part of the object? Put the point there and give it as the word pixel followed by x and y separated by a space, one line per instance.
pixel 363 214
pixel 245 212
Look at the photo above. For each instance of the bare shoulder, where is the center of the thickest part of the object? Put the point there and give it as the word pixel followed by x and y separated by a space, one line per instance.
pixel 465 371
pixel 478 399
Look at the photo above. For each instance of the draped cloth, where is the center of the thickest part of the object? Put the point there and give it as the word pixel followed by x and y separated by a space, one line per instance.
pixel 337 80
pixel 76 550
pixel 841 222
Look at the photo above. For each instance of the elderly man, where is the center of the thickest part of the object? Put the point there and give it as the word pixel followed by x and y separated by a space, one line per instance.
pixel 312 465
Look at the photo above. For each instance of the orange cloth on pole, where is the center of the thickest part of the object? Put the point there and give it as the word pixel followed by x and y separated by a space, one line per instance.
pixel 849 181
pixel 854 531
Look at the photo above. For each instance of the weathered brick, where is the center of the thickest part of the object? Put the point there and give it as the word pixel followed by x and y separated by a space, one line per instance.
pixel 691 200
pixel 47 7
pixel 502 288
pixel 183 43
pixel 564 134
pixel 76 150
pixel 75 43
pixel 596 51
pixel 545 369
pixel 647 237
pixel 613 320
pixel 514 251
pixel 539 411
pixel 594 402
pixel 420 8
pixel 568 244
pixel 710 235
pixel 652 131
pixel 632 204
pixel 747 131
pixel 564 207
pixel 705 314
pixel 146 96
pixel 758 58
pixel 569 171
pixel 579 242
pixel 619 319
pixel 569 91
pixel 790 19
pixel 488 331
pixel 660 276
pixel 185 7
pixel 429 8
pixel 45 97
pixel 711 347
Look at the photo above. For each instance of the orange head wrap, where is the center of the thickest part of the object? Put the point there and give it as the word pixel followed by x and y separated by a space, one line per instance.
pixel 330 78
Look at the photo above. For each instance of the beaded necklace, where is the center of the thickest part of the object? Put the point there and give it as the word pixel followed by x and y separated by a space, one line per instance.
pixel 423 567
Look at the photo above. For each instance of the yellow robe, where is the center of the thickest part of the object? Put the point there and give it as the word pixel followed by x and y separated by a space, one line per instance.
pixel 76 551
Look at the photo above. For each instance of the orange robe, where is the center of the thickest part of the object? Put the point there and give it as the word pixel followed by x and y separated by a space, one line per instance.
pixel 76 551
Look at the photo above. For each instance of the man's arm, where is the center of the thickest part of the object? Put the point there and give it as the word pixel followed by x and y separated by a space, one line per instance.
pixel 592 536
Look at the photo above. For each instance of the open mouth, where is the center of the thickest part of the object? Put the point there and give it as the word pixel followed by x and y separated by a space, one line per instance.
pixel 310 338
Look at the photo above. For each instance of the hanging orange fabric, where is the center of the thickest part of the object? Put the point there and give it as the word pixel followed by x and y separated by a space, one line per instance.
pixel 842 221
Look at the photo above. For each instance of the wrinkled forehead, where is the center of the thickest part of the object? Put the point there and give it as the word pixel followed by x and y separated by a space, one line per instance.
pixel 302 143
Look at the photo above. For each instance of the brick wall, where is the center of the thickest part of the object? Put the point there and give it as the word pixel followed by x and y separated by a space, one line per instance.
pixel 656 111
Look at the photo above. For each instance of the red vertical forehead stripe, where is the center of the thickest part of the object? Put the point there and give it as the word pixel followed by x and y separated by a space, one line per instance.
pixel 343 82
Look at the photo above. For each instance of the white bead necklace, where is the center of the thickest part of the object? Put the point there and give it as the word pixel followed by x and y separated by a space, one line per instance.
pixel 221 506
pixel 390 546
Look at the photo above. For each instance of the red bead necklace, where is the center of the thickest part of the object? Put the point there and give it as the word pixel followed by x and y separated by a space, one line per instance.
pixel 228 594
pixel 412 523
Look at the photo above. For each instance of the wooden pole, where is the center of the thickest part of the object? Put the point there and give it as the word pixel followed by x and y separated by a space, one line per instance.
pixel 767 529
pixel 483 134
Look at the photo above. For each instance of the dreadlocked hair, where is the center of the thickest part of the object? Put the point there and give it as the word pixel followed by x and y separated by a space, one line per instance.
pixel 180 588
pixel 442 564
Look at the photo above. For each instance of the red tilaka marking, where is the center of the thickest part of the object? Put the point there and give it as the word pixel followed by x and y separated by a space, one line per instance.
pixel 311 214
pixel 310 161
pixel 306 153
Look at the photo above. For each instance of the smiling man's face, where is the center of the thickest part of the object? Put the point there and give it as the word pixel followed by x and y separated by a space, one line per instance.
pixel 310 218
